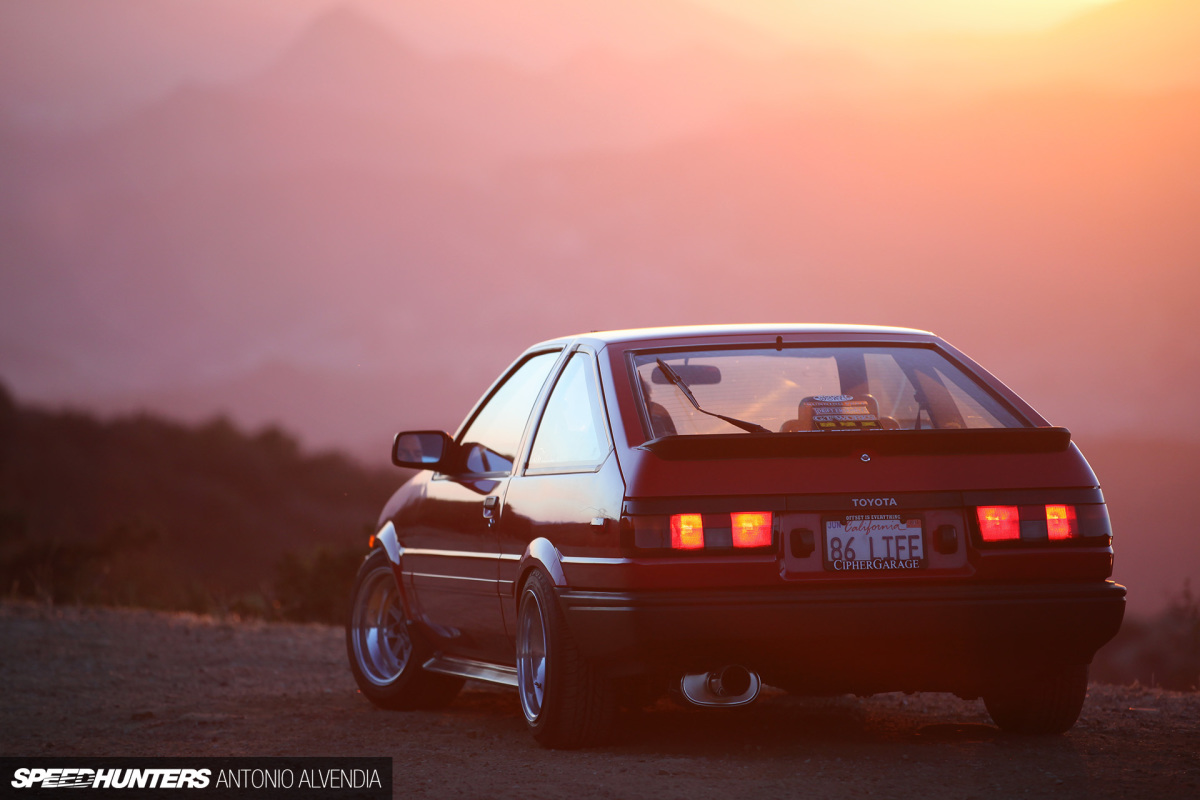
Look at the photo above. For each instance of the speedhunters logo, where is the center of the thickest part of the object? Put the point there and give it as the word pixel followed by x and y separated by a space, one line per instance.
pixel 81 777
pixel 258 778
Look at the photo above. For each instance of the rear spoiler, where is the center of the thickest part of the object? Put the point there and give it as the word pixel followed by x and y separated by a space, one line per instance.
pixel 979 441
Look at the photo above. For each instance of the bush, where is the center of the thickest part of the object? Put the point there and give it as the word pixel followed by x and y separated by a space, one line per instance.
pixel 140 511
pixel 1162 652
pixel 317 588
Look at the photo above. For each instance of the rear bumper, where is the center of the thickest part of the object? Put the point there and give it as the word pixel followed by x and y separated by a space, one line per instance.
pixel 865 638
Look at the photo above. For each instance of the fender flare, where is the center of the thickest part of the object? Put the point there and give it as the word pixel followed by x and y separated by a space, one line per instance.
pixel 390 542
pixel 542 555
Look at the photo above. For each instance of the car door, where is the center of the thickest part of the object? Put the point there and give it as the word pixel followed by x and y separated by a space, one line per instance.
pixel 569 488
pixel 451 559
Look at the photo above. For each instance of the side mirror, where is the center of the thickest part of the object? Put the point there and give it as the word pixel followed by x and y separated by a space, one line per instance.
pixel 420 449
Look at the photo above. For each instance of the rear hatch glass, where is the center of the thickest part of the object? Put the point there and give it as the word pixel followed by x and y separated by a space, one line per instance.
pixel 812 390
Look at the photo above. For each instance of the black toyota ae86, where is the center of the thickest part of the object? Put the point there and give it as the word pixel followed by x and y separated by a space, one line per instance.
pixel 702 511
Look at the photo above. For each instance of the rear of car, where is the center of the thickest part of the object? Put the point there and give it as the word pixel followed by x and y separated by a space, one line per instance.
pixel 837 511
pixel 708 510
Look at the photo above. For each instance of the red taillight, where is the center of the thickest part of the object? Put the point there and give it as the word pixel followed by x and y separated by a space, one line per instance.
pixel 752 529
pixel 999 523
pixel 1055 523
pixel 687 532
pixel 1061 522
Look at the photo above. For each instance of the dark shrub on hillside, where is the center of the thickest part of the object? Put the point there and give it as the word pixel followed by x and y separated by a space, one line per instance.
pixel 317 588
pixel 1162 652
pixel 142 511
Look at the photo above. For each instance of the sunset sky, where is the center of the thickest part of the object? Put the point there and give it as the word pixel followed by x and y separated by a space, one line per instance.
pixel 579 134
pixel 801 19
pixel 347 216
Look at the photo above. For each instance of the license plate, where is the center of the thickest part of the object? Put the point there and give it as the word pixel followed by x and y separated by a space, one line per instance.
pixel 870 542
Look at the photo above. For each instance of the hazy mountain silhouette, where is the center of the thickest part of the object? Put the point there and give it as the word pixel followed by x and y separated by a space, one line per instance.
pixel 547 32
pixel 599 98
pixel 71 64
pixel 334 211
pixel 359 232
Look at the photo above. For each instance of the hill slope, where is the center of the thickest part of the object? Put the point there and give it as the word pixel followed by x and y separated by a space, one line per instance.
pixel 145 512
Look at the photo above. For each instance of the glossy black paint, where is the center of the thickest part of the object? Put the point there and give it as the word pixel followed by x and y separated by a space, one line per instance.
pixel 468 541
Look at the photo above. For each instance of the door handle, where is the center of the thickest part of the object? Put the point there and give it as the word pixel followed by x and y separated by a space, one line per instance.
pixel 490 503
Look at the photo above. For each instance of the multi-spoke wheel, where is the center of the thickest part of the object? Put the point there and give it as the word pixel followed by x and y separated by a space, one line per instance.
pixel 531 658
pixel 378 631
pixel 385 656
pixel 566 700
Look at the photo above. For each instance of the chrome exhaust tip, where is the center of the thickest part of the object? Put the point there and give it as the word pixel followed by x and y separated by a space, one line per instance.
pixel 728 687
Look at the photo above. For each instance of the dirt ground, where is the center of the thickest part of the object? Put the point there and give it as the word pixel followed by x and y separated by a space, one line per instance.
pixel 95 682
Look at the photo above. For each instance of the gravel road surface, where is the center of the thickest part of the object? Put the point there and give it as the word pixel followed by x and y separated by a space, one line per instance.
pixel 101 682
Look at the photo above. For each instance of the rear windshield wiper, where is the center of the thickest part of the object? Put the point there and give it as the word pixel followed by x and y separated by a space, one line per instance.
pixel 673 377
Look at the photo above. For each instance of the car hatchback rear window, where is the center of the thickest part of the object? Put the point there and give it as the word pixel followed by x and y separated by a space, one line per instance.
pixel 813 389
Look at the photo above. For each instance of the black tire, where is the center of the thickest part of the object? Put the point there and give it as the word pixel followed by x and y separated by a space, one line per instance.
pixel 385 652
pixel 1040 703
pixel 566 701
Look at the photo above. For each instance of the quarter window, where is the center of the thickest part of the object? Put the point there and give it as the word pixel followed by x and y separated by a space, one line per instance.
pixel 492 438
pixel 572 435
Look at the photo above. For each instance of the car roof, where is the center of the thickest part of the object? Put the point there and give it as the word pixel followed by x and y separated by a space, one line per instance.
pixel 705 331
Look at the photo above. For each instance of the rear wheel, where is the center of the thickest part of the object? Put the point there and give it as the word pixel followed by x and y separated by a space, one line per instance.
pixel 385 652
pixel 567 702
pixel 1044 702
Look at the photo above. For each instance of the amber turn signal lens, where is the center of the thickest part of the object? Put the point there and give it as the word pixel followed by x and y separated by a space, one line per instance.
pixel 752 529
pixel 687 532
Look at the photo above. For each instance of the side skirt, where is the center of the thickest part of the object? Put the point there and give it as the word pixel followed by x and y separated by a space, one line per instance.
pixel 474 670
